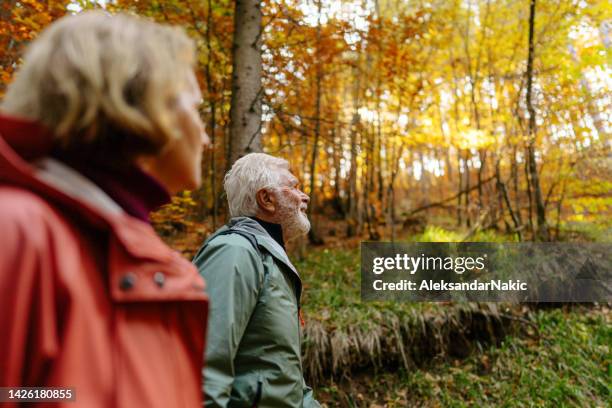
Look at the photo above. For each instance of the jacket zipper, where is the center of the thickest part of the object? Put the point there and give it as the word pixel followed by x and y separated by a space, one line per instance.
pixel 258 394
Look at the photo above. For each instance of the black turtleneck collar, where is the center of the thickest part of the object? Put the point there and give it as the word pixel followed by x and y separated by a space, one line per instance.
pixel 275 230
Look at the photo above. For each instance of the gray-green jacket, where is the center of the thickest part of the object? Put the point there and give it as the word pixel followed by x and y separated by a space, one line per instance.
pixel 253 352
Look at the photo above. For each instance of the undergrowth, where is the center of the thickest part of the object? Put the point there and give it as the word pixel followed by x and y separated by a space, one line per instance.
pixel 567 364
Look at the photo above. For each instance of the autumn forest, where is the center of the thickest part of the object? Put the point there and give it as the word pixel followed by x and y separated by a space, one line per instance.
pixel 464 120
pixel 484 114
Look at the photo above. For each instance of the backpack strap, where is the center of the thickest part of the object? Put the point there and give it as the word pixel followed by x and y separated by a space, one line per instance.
pixel 229 231
pixel 246 235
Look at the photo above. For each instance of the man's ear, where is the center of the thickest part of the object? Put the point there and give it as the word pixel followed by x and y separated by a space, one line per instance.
pixel 266 201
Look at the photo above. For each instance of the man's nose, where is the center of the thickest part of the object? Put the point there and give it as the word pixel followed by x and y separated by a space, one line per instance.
pixel 305 198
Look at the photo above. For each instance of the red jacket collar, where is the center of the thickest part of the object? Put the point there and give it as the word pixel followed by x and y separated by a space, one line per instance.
pixel 22 141
pixel 28 139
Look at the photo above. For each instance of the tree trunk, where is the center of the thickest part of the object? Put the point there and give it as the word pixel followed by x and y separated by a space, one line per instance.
pixel 354 218
pixel 213 166
pixel 560 209
pixel 514 174
pixel 466 171
pixel 368 183
pixel 213 120
pixel 245 112
pixel 504 195
pixel 340 205
pixel 353 223
pixel 425 179
pixel 460 194
pixel 542 227
pixel 313 234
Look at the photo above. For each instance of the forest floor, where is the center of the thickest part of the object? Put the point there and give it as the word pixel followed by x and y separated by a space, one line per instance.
pixel 387 354
pixel 561 357
pixel 566 364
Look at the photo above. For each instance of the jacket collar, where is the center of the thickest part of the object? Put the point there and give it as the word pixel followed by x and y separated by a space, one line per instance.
pixel 72 183
pixel 134 190
pixel 263 238
pixel 23 142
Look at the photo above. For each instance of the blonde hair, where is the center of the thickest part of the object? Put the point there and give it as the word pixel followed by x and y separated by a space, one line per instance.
pixel 247 176
pixel 101 81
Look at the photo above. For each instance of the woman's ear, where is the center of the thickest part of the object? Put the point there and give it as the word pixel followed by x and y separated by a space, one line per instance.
pixel 266 201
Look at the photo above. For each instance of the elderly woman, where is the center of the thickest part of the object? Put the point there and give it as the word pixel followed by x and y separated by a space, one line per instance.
pixel 99 126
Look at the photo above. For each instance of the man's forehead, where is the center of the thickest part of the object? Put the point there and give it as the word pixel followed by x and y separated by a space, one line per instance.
pixel 288 176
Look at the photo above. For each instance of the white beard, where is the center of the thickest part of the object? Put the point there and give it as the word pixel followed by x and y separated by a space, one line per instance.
pixel 293 221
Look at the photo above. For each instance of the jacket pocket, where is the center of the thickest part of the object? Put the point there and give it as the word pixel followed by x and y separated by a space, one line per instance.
pixel 247 391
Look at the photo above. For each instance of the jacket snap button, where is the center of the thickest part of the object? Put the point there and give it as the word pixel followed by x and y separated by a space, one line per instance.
pixel 127 281
pixel 159 278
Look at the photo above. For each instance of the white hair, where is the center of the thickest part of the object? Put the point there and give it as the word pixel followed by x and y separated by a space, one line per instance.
pixel 247 176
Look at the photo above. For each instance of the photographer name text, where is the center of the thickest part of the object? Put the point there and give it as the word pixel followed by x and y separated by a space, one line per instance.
pixel 431 285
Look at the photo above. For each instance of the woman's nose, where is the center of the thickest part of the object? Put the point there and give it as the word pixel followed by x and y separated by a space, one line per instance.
pixel 205 138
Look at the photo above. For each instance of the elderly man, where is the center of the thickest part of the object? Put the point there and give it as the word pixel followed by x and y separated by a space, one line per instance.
pixel 253 356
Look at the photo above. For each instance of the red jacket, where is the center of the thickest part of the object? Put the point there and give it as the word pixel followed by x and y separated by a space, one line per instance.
pixel 91 298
